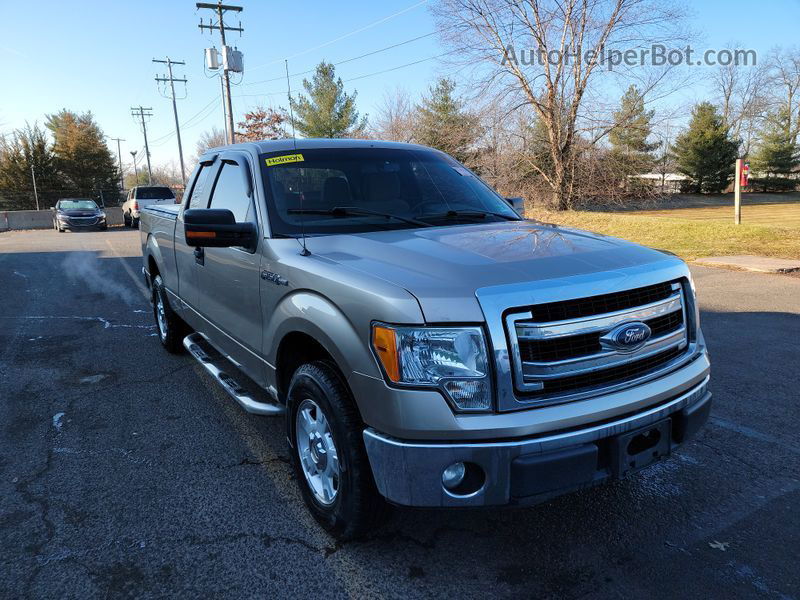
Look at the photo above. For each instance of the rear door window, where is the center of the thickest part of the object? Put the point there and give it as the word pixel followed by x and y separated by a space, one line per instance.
pixel 229 192
pixel 200 190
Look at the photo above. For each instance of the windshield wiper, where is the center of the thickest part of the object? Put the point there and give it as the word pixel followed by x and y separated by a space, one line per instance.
pixel 347 211
pixel 477 214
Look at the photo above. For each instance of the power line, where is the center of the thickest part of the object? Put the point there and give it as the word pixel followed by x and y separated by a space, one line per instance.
pixel 370 53
pixel 381 72
pixel 342 62
pixel 171 79
pixel 140 111
pixel 416 62
pixel 342 37
pixel 185 124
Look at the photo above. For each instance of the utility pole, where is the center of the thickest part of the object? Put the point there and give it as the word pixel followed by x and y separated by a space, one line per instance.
pixel 141 112
pixel 119 159
pixel 172 81
pixel 35 193
pixel 135 170
pixel 221 9
pixel 224 108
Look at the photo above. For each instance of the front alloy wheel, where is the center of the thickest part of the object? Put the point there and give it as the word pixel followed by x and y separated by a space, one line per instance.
pixel 318 455
pixel 328 455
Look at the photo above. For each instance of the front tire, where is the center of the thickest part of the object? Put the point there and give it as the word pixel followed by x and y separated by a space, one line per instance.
pixel 171 329
pixel 329 458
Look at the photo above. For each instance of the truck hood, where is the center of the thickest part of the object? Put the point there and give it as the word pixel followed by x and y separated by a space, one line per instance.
pixel 444 266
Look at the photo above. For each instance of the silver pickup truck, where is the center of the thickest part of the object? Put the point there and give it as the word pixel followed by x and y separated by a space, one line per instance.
pixel 427 345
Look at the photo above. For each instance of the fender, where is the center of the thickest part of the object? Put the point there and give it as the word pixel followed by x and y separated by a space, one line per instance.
pixel 315 315
pixel 152 249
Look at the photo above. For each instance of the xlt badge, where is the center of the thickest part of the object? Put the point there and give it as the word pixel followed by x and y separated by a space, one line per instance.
pixel 274 278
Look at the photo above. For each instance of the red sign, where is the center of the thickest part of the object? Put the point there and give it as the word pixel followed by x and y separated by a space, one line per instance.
pixel 745 174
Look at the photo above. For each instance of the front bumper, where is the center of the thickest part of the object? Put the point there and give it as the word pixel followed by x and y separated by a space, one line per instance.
pixel 524 471
pixel 82 224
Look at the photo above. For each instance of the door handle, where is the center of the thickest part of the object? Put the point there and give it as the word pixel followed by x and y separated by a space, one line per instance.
pixel 199 256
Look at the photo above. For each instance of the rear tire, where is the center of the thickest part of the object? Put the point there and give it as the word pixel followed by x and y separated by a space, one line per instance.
pixel 325 426
pixel 126 220
pixel 134 223
pixel 170 327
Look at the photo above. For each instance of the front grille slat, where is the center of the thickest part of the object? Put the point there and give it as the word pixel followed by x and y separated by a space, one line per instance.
pixel 574 346
pixel 560 353
pixel 596 305
pixel 629 370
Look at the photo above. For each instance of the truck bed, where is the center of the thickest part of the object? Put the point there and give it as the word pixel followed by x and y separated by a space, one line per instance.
pixel 157 231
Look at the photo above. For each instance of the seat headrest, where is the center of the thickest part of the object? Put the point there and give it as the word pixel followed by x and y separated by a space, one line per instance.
pixel 382 187
pixel 336 192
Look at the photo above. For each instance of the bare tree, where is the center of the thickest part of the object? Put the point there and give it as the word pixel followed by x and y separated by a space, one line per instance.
pixel 565 41
pixel 395 119
pixel 784 72
pixel 741 93
pixel 210 139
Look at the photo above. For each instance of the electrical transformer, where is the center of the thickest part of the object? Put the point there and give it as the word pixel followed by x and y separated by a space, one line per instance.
pixel 212 59
pixel 232 60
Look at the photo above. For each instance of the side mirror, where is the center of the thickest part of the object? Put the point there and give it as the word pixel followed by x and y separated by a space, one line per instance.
pixel 518 204
pixel 217 228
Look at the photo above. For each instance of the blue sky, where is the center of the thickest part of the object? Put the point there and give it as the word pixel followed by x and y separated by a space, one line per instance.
pixel 94 55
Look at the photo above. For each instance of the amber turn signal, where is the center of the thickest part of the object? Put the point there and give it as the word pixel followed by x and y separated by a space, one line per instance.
pixel 384 340
pixel 201 234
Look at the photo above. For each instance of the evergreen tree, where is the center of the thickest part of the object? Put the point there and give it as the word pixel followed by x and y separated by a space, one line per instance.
pixel 705 152
pixel 82 156
pixel 776 156
pixel 328 111
pixel 24 149
pixel 443 123
pixel 630 150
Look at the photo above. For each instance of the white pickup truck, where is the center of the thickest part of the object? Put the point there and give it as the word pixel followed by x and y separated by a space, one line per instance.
pixel 141 196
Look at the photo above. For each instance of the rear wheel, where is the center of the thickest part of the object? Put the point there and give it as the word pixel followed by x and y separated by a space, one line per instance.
pixel 126 219
pixel 171 328
pixel 329 458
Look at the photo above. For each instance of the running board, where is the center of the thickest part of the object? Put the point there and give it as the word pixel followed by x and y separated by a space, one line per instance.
pixel 215 364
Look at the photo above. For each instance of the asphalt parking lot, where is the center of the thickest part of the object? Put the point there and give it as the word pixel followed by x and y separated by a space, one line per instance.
pixel 125 471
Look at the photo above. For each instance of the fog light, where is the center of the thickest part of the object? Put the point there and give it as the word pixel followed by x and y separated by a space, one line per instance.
pixel 454 475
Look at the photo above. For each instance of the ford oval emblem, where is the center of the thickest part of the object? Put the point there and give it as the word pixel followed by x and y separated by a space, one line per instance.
pixel 627 337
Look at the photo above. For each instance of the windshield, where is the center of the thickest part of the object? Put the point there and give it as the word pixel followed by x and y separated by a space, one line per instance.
pixel 154 193
pixel 374 189
pixel 77 205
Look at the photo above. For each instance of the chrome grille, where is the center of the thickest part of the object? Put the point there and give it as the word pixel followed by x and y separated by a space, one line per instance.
pixel 558 351
pixel 82 221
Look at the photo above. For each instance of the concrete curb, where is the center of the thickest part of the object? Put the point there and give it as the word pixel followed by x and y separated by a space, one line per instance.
pixel 759 264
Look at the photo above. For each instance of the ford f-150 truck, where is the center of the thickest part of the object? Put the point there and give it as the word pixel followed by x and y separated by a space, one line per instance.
pixel 427 345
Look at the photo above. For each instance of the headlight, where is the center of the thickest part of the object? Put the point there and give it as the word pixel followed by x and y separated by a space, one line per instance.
pixel 102 216
pixel 453 359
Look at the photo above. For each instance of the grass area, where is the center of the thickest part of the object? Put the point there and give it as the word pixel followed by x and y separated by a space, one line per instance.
pixel 770 215
pixel 688 238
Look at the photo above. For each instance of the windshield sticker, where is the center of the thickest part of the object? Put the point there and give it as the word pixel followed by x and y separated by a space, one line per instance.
pixel 280 160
